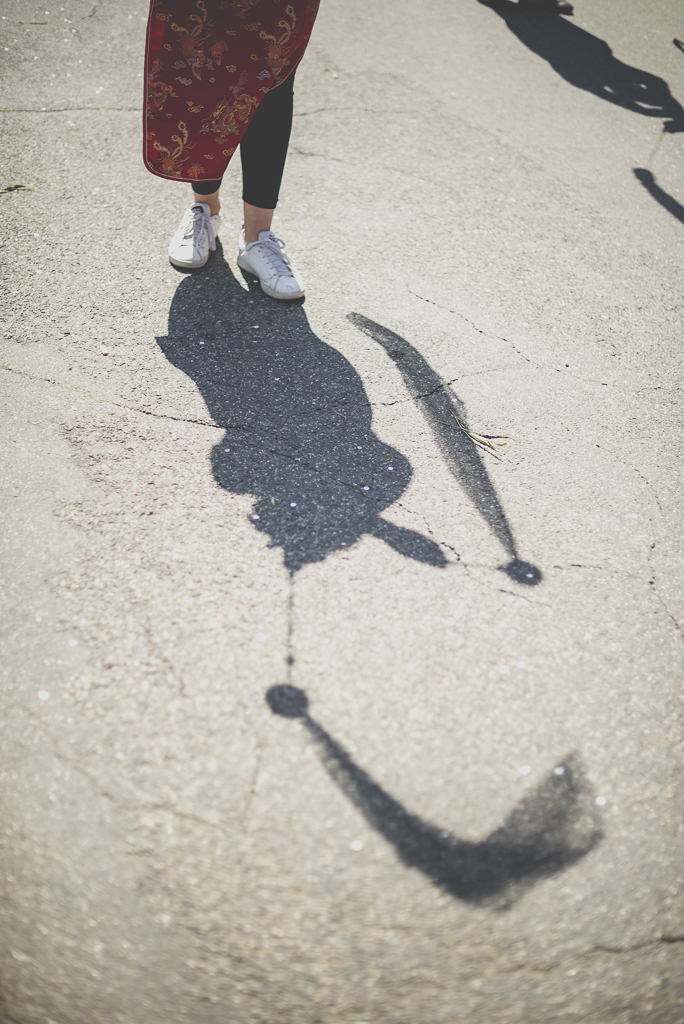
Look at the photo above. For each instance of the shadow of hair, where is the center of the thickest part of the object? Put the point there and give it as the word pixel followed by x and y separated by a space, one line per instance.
pixel 551 828
pixel 439 405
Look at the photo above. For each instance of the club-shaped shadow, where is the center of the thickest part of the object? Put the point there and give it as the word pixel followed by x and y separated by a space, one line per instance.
pixel 550 828
pixel 588 63
pixel 437 403
pixel 297 421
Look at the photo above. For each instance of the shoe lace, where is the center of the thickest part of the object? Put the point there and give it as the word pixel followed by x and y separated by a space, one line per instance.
pixel 274 251
pixel 196 223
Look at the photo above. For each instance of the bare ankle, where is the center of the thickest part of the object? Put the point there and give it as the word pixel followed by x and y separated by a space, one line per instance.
pixel 257 219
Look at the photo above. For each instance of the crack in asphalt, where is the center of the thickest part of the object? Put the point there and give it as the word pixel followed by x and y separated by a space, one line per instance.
pixel 675 621
pixel 668 940
pixel 337 110
pixel 109 401
pixel 64 110
pixel 416 398
pixel 103 791
pixel 497 337
pixel 440 387
pixel 264 447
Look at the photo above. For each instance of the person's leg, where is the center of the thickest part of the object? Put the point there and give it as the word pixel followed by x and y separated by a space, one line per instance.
pixel 201 223
pixel 263 152
pixel 208 192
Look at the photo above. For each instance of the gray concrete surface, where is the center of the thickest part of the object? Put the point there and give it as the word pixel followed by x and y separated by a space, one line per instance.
pixel 478 816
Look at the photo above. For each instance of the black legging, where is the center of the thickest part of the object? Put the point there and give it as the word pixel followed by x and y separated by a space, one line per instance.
pixel 263 150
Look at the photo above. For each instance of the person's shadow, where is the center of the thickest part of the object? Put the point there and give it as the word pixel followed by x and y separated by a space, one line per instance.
pixel 587 62
pixel 297 420
pixel 298 425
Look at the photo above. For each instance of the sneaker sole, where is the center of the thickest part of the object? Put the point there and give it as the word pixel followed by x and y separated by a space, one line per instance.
pixel 265 288
pixel 188 266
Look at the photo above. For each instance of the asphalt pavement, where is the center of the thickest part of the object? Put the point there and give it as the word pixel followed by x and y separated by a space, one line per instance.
pixel 316 710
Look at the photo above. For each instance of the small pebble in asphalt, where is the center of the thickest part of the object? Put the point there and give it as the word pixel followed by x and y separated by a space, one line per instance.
pixel 525 770
pixel 43 695
pixel 600 801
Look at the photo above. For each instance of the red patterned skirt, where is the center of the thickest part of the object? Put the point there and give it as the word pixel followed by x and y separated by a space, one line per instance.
pixel 208 65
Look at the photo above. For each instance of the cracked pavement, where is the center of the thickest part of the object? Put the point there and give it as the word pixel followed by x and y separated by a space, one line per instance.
pixel 313 711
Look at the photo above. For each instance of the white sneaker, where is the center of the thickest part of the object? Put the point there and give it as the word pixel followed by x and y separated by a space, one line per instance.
pixel 196 235
pixel 267 260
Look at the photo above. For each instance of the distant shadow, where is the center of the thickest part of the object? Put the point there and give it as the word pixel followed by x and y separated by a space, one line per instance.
pixel 660 196
pixel 553 826
pixel 437 403
pixel 297 420
pixel 587 62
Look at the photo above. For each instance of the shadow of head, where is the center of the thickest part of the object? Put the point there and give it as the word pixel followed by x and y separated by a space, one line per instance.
pixel 297 421
pixel 554 825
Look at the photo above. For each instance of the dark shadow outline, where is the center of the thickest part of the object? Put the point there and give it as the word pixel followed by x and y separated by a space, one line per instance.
pixel 663 198
pixel 552 827
pixel 439 404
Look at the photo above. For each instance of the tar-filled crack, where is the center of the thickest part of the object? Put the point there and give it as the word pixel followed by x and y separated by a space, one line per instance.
pixel 506 341
pixel 252 788
pixel 417 398
pixel 638 472
pixel 467 566
pixel 675 622
pixel 109 401
pixel 667 940
pixel 355 110
pixel 440 387
pixel 64 110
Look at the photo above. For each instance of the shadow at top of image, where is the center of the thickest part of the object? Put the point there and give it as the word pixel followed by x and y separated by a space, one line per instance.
pixel 550 828
pixel 588 63
pixel 297 419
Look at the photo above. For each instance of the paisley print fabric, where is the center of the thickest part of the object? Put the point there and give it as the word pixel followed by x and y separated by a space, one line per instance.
pixel 209 63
